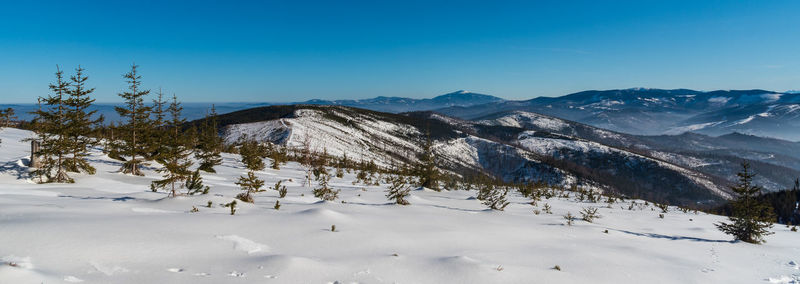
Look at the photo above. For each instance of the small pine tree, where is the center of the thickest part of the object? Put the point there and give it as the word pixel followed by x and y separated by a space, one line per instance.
pixel 427 172
pixel 751 218
pixel 569 218
pixel 589 214
pixel 547 209
pixel 280 188
pixel 174 153
pixel 194 184
pixel 81 123
pixel 210 144
pixel 664 207
pixel 277 205
pixel 249 184
pixel 323 191
pixel 232 205
pixel 362 176
pixel 307 158
pixel 7 116
pixel 339 172
pixel 345 163
pixel 495 197
pixel 278 155
pixel 134 131
pixel 252 155
pixel 157 131
pixel 398 190
pixel 53 132
pixel 113 145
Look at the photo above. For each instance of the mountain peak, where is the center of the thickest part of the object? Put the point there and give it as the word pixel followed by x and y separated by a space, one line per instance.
pixel 462 94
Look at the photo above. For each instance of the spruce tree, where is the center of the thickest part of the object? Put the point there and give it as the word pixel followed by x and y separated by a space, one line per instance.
pixel 80 122
pixel 7 116
pixel 345 163
pixel 307 158
pixel 51 123
pixel 751 218
pixel 324 191
pixel 113 144
pixel 210 144
pixel 134 131
pixel 398 190
pixel 253 155
pixel 494 197
pixel 278 156
pixel 156 133
pixel 250 184
pixel 194 184
pixel 174 153
pixel 426 171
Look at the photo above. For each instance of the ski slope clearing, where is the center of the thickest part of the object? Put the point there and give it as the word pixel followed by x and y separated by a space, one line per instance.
pixel 110 228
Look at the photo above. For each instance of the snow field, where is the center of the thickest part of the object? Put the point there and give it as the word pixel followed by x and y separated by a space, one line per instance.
pixel 109 228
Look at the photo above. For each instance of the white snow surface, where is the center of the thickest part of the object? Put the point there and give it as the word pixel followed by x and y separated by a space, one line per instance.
pixel 548 146
pixel 371 140
pixel 91 232
pixel 682 129
pixel 521 118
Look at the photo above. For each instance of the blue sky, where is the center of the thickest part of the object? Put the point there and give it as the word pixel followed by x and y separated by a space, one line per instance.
pixel 280 51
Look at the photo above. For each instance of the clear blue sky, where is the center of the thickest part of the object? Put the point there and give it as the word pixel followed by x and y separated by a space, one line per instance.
pixel 296 50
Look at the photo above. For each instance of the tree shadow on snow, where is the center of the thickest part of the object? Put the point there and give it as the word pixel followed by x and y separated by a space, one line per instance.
pixel 674 238
pixel 119 164
pixel 460 209
pixel 371 204
pixel 18 168
pixel 120 199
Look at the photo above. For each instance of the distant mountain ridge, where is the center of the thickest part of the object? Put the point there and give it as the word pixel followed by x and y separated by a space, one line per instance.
pixel 459 98
pixel 193 111
pixel 515 147
pixel 639 111
pixel 657 111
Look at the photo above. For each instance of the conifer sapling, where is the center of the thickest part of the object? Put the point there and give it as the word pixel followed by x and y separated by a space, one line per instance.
pixel 751 218
pixel 136 114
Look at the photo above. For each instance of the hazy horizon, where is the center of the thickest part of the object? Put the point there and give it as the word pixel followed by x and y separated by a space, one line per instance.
pixel 189 101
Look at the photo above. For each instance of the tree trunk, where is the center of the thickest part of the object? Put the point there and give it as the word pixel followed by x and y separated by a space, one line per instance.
pixel 35 162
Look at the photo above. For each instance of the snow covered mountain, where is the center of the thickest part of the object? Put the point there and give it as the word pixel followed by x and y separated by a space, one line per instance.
pixel 517 147
pixel 777 161
pixel 656 111
pixel 397 104
pixel 384 138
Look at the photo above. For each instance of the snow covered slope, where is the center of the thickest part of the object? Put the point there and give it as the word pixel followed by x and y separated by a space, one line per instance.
pixel 110 228
pixel 778 161
pixel 645 111
pixel 359 135
pixel 516 146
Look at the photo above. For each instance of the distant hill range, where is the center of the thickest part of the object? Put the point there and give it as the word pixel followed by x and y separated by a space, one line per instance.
pixel 398 104
pixel 636 111
pixel 523 146
pixel 657 111
pixel 194 111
